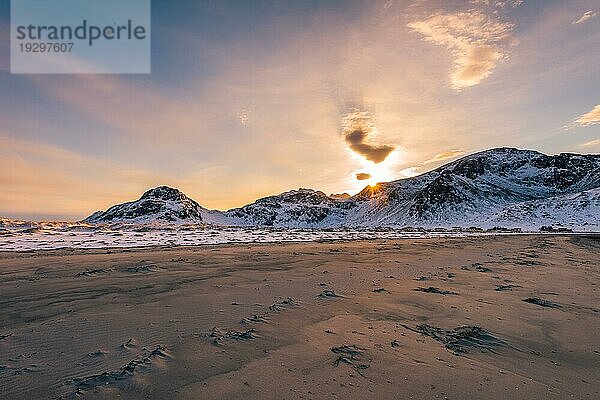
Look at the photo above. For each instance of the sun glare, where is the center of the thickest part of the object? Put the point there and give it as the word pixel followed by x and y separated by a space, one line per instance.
pixel 385 171
pixel 379 173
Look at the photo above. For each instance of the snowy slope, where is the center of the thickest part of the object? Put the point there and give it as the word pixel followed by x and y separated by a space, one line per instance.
pixel 580 210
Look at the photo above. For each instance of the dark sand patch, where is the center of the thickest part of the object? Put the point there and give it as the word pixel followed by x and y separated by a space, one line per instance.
pixel 93 272
pixel 352 355
pixel 143 362
pixel 542 302
pixel 381 290
pixel 435 290
pixel 283 304
pixel 219 337
pixel 462 339
pixel 329 294
pixel 502 288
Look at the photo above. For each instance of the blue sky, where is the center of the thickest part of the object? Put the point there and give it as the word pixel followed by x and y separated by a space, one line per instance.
pixel 251 98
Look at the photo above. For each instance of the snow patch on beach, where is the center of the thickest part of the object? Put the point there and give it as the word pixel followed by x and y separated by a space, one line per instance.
pixel 27 236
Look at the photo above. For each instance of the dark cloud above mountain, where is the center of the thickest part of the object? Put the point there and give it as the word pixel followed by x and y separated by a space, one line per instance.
pixel 361 176
pixel 359 129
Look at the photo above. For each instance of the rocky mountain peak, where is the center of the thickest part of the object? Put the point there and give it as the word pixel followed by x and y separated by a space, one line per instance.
pixel 162 203
pixel 164 193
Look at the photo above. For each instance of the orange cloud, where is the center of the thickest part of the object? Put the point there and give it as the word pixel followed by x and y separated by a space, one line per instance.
pixel 444 156
pixel 591 143
pixel 476 41
pixel 589 118
pixel 586 15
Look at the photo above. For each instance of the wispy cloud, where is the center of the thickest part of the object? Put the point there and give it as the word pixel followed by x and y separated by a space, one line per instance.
pixel 447 155
pixel 476 40
pixel 424 166
pixel 589 118
pixel 129 107
pixel 501 4
pixel 591 143
pixel 584 17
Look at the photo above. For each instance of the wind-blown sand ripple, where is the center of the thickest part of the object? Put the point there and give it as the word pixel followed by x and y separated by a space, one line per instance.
pixel 143 323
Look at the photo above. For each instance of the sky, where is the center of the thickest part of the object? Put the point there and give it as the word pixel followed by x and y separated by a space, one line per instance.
pixel 252 98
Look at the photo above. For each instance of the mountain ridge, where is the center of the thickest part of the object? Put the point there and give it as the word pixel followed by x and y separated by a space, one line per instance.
pixel 487 188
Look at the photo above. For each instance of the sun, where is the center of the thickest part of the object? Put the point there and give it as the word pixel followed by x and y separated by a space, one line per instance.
pixel 385 171
pixel 379 173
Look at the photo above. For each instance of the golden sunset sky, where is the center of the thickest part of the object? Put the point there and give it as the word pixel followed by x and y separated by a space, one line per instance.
pixel 252 98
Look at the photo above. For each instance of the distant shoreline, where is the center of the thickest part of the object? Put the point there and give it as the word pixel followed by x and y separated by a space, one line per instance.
pixel 85 248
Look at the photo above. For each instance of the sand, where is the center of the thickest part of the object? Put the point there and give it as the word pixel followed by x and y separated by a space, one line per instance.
pixel 505 317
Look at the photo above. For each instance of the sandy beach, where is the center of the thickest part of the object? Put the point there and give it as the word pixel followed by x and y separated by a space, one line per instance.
pixel 495 317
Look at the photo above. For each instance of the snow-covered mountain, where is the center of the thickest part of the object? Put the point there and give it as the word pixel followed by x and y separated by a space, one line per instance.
pixel 300 208
pixel 500 187
pixel 161 204
pixel 474 189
